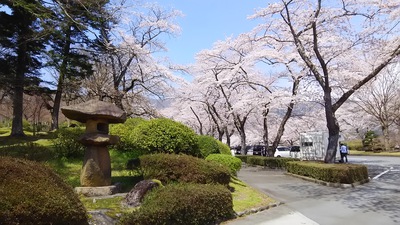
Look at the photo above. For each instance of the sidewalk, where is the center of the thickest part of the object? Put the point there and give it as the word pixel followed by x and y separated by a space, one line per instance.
pixel 280 215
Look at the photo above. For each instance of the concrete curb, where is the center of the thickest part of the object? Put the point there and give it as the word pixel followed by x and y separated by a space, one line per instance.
pixel 329 184
pixel 259 209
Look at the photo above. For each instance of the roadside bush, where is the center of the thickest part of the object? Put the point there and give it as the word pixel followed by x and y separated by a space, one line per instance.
pixel 223 148
pixel 32 194
pixel 183 204
pixel 170 168
pixel 165 136
pixel 243 158
pixel 334 173
pixel 207 145
pixel 355 145
pixel 234 164
pixel 66 144
pixel 270 162
pixel 125 132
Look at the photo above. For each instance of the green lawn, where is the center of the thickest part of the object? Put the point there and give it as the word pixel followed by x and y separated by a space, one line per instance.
pixel 371 153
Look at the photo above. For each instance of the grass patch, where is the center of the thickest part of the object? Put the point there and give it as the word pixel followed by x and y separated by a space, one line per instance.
pixel 113 206
pixel 246 197
pixel 371 153
pixel 68 169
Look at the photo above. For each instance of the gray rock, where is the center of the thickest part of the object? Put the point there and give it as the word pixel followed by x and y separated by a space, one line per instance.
pixel 94 109
pixel 135 196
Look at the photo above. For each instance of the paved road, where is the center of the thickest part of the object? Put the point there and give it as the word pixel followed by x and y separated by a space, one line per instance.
pixel 377 202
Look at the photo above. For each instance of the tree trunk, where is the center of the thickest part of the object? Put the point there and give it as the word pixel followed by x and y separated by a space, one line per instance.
pixel 243 142
pixel 333 129
pixel 385 131
pixel 18 95
pixel 288 114
pixel 198 120
pixel 21 68
pixel 57 103
pixel 118 101
pixel 228 136
pixel 63 73
pixel 265 134
pixel 240 128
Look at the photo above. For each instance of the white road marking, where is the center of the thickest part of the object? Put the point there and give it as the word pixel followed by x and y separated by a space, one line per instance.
pixel 391 169
pixel 377 176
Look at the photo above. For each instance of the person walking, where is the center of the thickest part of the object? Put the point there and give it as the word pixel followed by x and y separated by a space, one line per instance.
pixel 343 152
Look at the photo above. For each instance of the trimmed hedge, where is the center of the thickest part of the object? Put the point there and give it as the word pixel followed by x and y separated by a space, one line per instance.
pixel 183 168
pixel 223 148
pixel 334 173
pixel 207 145
pixel 165 136
pixel 124 131
pixel 234 164
pixel 183 204
pixel 270 162
pixel 32 194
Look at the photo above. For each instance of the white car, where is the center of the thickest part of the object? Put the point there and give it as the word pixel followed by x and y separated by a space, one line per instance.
pixel 282 151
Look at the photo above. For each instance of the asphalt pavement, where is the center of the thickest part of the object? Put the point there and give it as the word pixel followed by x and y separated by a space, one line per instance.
pixel 305 202
pixel 279 215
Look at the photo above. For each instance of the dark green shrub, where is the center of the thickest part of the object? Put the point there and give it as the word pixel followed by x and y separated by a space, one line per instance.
pixel 183 168
pixel 125 132
pixel 234 164
pixel 66 144
pixel 334 173
pixel 270 162
pixel 165 136
pixel 207 145
pixel 183 204
pixel 368 140
pixel 224 148
pixel 32 194
pixel 29 150
pixel 243 158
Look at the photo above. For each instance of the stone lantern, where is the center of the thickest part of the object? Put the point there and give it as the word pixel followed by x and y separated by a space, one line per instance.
pixel 97 115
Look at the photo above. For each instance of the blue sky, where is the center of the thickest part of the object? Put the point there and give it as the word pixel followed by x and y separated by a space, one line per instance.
pixel 207 21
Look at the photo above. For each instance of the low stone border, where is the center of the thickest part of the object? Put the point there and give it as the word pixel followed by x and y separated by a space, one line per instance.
pixel 329 184
pixel 259 209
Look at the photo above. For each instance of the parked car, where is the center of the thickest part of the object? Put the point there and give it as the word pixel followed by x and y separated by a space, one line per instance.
pixel 258 150
pixel 282 151
pixel 295 151
pixel 250 150
pixel 236 149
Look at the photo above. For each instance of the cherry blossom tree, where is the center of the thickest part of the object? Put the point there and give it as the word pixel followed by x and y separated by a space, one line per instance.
pixel 380 99
pixel 343 44
pixel 127 60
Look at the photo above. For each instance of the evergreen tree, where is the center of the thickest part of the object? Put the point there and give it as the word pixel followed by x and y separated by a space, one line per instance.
pixel 75 23
pixel 21 44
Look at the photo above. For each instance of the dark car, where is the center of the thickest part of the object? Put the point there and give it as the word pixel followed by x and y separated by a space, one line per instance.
pixel 258 150
pixel 295 151
pixel 237 149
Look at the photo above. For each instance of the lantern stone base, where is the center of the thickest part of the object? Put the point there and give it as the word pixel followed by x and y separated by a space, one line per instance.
pixel 98 191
